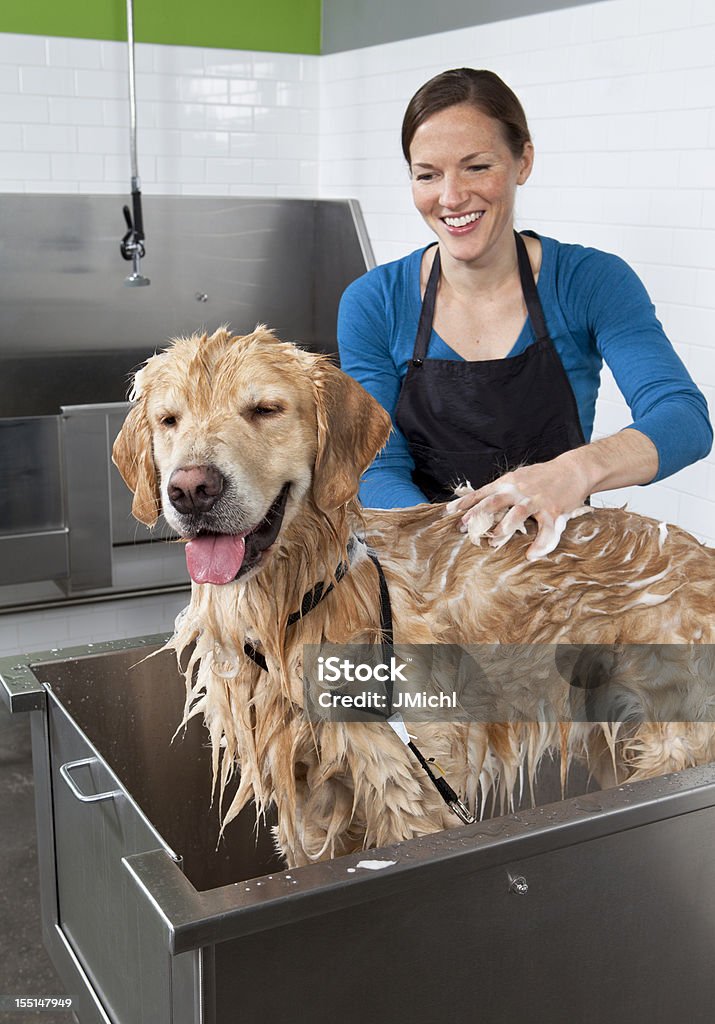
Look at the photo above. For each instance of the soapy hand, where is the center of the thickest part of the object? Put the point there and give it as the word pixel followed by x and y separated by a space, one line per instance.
pixel 549 492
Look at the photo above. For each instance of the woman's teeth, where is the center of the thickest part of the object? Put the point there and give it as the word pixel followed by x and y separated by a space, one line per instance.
pixel 461 222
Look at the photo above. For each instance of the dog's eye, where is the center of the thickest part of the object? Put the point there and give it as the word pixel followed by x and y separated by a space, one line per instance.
pixel 267 409
pixel 168 421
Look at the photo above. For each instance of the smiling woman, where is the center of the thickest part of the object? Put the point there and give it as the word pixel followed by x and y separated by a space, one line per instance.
pixel 486 347
pixel 464 179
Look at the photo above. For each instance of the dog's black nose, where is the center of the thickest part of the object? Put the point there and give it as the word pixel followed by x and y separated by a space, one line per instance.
pixel 195 489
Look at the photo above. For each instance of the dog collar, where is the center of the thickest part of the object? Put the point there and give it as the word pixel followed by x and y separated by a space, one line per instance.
pixel 311 599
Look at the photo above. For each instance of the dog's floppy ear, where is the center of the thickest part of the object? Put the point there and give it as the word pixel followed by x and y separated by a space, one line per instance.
pixel 352 428
pixel 133 456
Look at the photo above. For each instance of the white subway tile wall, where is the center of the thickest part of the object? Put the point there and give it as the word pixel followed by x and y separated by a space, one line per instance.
pixel 618 95
pixel 209 121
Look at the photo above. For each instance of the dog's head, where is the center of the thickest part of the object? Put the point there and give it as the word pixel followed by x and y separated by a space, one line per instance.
pixel 229 436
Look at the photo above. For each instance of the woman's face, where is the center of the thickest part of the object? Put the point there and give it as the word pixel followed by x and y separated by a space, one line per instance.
pixel 464 179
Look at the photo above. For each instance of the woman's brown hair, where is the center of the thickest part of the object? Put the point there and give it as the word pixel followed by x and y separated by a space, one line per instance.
pixel 483 89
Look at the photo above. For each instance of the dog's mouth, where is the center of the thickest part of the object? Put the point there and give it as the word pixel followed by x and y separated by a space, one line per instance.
pixel 225 557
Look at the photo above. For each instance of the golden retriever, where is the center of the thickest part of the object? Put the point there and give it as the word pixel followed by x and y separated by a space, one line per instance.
pixel 254 450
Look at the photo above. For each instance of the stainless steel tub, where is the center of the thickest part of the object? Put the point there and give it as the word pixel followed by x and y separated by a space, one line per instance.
pixel 598 908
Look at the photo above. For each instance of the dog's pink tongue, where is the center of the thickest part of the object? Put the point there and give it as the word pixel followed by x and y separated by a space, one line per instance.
pixel 215 558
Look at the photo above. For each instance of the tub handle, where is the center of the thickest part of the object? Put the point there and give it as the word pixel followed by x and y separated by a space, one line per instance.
pixel 65 770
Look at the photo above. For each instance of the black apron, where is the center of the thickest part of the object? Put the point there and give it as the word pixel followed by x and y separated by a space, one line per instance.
pixel 476 420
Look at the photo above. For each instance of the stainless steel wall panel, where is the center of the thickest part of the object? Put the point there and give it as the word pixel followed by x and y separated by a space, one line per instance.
pixel 30 475
pixel 27 557
pixel 39 384
pixel 86 477
pixel 210 260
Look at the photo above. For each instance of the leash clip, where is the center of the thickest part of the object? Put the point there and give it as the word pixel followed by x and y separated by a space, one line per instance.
pixel 451 798
pixel 462 811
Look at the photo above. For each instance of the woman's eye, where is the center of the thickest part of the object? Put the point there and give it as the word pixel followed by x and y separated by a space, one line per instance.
pixel 479 167
pixel 424 177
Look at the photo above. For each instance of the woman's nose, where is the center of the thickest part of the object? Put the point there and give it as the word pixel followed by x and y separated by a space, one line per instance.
pixel 452 192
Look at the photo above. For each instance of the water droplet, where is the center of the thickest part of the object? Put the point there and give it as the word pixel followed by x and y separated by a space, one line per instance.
pixel 589 806
pixel 494 829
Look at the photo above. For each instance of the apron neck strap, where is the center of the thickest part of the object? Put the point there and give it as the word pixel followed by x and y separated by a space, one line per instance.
pixel 424 328
pixel 528 288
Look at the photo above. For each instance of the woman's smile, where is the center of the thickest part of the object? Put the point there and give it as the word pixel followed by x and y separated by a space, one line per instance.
pixel 464 223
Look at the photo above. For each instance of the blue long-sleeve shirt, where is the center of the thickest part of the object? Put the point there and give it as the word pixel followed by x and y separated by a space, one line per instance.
pixel 596 310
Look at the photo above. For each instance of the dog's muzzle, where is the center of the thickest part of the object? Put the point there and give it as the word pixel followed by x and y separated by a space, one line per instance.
pixel 214 557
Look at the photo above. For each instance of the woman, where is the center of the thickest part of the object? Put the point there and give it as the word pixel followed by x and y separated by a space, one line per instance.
pixel 488 379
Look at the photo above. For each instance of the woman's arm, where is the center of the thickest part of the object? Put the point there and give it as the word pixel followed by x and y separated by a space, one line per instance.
pixel 620 460
pixel 670 426
pixel 363 343
pixel 665 403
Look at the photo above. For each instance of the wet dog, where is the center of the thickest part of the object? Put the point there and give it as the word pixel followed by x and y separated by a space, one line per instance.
pixel 253 449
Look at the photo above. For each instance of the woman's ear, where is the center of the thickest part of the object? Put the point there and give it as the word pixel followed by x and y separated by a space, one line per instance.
pixel 352 428
pixel 133 456
pixel 526 164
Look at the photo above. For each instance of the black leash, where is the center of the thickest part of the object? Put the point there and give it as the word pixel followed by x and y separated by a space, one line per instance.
pixel 434 773
pixel 310 601
pixel 386 632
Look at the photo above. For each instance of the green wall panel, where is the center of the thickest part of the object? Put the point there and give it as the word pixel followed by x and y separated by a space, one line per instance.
pixel 283 26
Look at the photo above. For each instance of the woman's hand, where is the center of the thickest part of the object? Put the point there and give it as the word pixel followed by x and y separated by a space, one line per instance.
pixel 554 492
pixel 550 493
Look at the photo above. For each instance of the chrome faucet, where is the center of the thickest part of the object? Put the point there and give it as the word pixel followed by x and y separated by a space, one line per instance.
pixel 132 245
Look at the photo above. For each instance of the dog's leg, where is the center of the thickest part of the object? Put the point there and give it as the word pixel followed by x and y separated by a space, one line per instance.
pixel 656 748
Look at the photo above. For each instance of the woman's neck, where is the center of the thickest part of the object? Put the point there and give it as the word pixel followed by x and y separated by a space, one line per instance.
pixel 486 276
